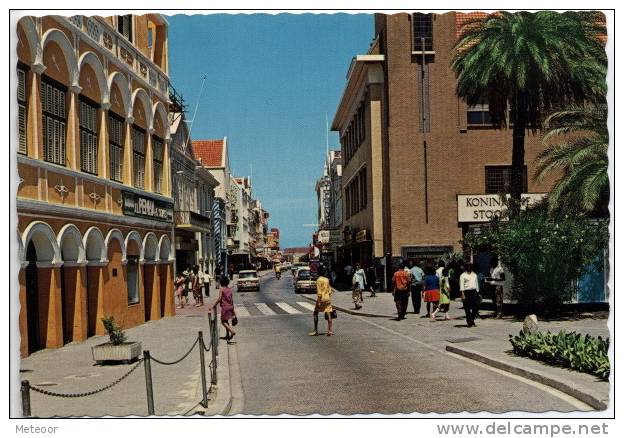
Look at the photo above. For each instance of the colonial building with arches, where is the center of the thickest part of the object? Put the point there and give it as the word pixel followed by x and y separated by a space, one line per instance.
pixel 95 211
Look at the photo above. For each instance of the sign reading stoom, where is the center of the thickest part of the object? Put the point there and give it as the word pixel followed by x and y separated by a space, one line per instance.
pixel 485 207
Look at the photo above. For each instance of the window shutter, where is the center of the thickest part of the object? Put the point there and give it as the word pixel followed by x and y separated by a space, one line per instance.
pixel 61 151
pixel 21 121
pixel 21 85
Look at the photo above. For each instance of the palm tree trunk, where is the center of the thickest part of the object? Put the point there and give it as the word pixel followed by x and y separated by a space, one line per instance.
pixel 517 167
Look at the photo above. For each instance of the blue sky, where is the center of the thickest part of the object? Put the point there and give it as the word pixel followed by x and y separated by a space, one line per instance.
pixel 271 81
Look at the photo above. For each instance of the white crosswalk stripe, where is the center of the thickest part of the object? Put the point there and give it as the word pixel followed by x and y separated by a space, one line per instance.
pixel 241 310
pixel 266 310
pixel 287 308
pixel 306 305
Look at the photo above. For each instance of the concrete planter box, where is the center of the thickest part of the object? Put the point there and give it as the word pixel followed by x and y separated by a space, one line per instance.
pixel 126 352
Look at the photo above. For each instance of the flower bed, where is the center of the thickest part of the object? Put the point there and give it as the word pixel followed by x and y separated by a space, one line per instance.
pixel 570 350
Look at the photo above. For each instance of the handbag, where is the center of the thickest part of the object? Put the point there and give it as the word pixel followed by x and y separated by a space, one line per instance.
pixel 333 314
pixel 234 320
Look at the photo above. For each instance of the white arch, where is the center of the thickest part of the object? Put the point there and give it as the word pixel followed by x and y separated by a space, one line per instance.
pixel 91 59
pixel 116 234
pixel 134 235
pixel 95 246
pixel 160 109
pixel 45 242
pixel 122 83
pixel 142 95
pixel 21 254
pixel 150 246
pixel 55 35
pixel 34 42
pixel 70 242
pixel 164 248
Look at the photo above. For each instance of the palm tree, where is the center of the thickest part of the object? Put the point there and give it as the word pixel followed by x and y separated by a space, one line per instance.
pixel 577 141
pixel 525 65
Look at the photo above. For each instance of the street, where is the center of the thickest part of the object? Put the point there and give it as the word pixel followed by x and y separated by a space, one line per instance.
pixel 379 366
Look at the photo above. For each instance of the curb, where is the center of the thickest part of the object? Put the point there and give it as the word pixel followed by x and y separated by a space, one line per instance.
pixel 351 311
pixel 531 375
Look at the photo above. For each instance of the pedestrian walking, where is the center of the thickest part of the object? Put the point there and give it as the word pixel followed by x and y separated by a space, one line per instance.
pixel 207 280
pixel 445 296
pixel 358 284
pixel 371 277
pixel 469 288
pixel 179 283
pixel 431 290
pixel 323 303
pixel 416 284
pixel 401 283
pixel 196 287
pixel 226 302
pixel 497 279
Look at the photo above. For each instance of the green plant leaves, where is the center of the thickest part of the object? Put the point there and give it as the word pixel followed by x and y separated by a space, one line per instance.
pixel 570 350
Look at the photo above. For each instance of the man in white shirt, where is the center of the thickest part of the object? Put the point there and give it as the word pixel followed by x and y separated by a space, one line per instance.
pixel 497 279
pixel 469 288
pixel 359 284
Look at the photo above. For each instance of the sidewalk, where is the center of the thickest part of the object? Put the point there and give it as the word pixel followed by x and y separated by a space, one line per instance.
pixel 177 388
pixel 489 343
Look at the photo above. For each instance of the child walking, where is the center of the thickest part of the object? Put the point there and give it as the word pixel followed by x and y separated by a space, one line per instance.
pixel 445 296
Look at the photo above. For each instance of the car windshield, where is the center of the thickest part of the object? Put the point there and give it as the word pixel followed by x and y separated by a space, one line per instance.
pixel 303 275
pixel 247 275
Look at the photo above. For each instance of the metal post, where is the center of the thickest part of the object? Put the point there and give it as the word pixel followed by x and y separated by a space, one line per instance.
pixel 202 362
pixel 215 341
pixel 215 328
pixel 26 398
pixel 148 382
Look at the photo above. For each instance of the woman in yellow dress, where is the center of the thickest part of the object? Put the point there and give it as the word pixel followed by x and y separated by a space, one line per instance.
pixel 323 302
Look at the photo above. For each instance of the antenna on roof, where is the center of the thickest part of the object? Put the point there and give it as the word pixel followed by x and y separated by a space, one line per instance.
pixel 201 90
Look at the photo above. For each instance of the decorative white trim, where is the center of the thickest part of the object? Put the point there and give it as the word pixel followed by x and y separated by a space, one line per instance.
pixel 44 165
pixel 62 190
pixel 150 236
pixel 143 96
pixel 76 89
pixel 95 231
pixel 130 120
pixel 91 59
pixel 39 227
pixel 124 88
pixel 73 264
pixel 38 68
pixel 49 264
pixel 135 236
pixel 98 263
pixel 105 106
pixel 71 231
pixel 116 234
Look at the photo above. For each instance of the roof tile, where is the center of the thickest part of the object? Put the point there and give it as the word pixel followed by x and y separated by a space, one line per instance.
pixel 209 152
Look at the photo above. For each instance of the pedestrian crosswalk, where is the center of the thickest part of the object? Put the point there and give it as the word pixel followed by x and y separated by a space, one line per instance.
pixel 272 309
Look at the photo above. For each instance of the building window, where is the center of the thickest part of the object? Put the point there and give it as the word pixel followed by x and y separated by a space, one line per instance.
pixel 479 114
pixel 157 147
pixel 53 120
pixel 138 157
pixel 363 189
pixel 88 136
pixel 150 37
pixel 498 179
pixel 115 147
pixel 22 147
pixel 422 31
pixel 132 277
pixel 124 26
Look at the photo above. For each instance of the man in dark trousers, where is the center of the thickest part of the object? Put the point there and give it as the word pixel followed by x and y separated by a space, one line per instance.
pixel 401 282
pixel 416 284
pixel 469 288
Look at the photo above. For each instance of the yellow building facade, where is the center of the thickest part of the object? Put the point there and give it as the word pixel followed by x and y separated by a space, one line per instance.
pixel 94 202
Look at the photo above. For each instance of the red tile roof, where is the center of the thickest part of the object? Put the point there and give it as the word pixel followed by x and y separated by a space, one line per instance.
pixel 209 152
pixel 462 18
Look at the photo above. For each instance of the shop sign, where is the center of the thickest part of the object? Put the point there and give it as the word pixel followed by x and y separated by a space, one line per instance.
pixel 485 207
pixel 329 236
pixel 361 236
pixel 150 208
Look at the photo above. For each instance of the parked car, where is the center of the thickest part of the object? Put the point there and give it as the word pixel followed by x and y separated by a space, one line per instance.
pixel 248 280
pixel 304 282
pixel 296 266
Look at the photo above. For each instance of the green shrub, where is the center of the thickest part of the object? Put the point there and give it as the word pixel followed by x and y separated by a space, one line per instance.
pixel 570 350
pixel 545 254
pixel 115 333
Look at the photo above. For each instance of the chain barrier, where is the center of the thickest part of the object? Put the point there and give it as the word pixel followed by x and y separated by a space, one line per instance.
pixel 179 360
pixel 146 359
pixel 86 394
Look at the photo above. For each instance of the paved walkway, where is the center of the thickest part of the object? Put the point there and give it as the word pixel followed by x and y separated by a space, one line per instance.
pixel 489 341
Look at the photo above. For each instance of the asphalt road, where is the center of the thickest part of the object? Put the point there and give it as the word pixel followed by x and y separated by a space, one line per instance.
pixel 379 366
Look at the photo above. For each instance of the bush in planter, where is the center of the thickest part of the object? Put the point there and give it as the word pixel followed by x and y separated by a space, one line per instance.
pixel 545 253
pixel 571 350
pixel 116 335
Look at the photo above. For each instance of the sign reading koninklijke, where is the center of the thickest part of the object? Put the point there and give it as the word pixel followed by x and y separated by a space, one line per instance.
pixel 485 207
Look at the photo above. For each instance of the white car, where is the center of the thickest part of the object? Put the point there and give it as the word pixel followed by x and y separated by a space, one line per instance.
pixel 248 280
pixel 304 282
